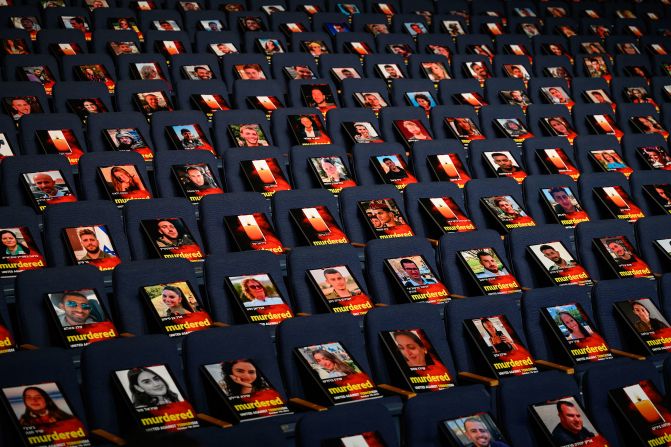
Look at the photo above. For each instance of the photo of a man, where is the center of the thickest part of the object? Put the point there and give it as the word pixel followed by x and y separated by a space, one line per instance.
pixel 248 135
pixel 571 427
pixel 553 252
pixel 170 236
pixel 393 172
pixel 339 284
pixel 91 244
pixel 477 430
pixel 478 433
pixel 339 290
pixel 153 102
pixel 503 162
pixel 78 307
pixel 47 187
pixel 565 201
pixel 491 264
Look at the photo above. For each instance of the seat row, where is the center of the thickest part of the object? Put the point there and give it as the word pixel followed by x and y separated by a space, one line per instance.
pixel 288 278
pixel 96 401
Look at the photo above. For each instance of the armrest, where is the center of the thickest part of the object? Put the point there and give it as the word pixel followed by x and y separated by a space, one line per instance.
pixel 433 242
pixel 29 347
pixel 626 354
pixel 525 289
pixel 557 366
pixel 127 334
pixel 212 420
pixel 220 324
pixel 357 244
pixel 396 390
pixel 303 314
pixel 109 437
pixel 489 381
pixel 287 249
pixel 381 305
pixel 307 404
pixel 459 297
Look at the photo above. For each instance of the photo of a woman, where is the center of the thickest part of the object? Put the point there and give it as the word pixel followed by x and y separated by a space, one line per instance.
pixel 330 366
pixel 435 71
pixel 256 294
pixel 558 126
pixel 149 389
pixel 611 162
pixel 173 297
pixel 465 127
pixel 423 102
pixel 644 321
pixel 124 181
pixel 413 132
pixel 334 169
pixel 272 46
pixel 498 341
pixel 575 329
pixel 41 410
pixel 647 124
pixel 241 377
pixel 10 244
pixel 412 348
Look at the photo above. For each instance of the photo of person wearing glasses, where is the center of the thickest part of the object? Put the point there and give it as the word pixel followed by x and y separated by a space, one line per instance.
pixel 78 310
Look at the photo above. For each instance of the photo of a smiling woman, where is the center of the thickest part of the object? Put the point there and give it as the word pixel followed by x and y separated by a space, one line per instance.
pixel 242 377
pixel 147 388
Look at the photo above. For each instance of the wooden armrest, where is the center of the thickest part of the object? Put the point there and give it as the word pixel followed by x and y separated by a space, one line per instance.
pixel 127 334
pixel 358 244
pixel 212 420
pixel 396 390
pixel 657 275
pixel 381 305
pixel 626 354
pixel 287 249
pixel 433 242
pixel 306 404
pixel 220 324
pixel 303 314
pixel 525 289
pixel 553 365
pixel 454 295
pixel 489 381
pixel 109 437
pixel 29 347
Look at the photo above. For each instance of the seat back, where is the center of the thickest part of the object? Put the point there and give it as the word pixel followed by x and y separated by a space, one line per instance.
pixel 99 361
pixel 132 313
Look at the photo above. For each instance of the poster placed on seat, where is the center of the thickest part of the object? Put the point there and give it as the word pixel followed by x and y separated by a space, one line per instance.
pixel 336 373
pixel 416 360
pixel 245 391
pixel 43 416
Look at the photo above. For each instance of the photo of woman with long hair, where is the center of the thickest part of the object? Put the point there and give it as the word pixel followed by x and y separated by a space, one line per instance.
pixel 124 181
pixel 498 341
pixel 331 366
pixel 575 329
pixel 41 410
pixel 412 348
pixel 175 300
pixel 146 388
pixel 240 377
